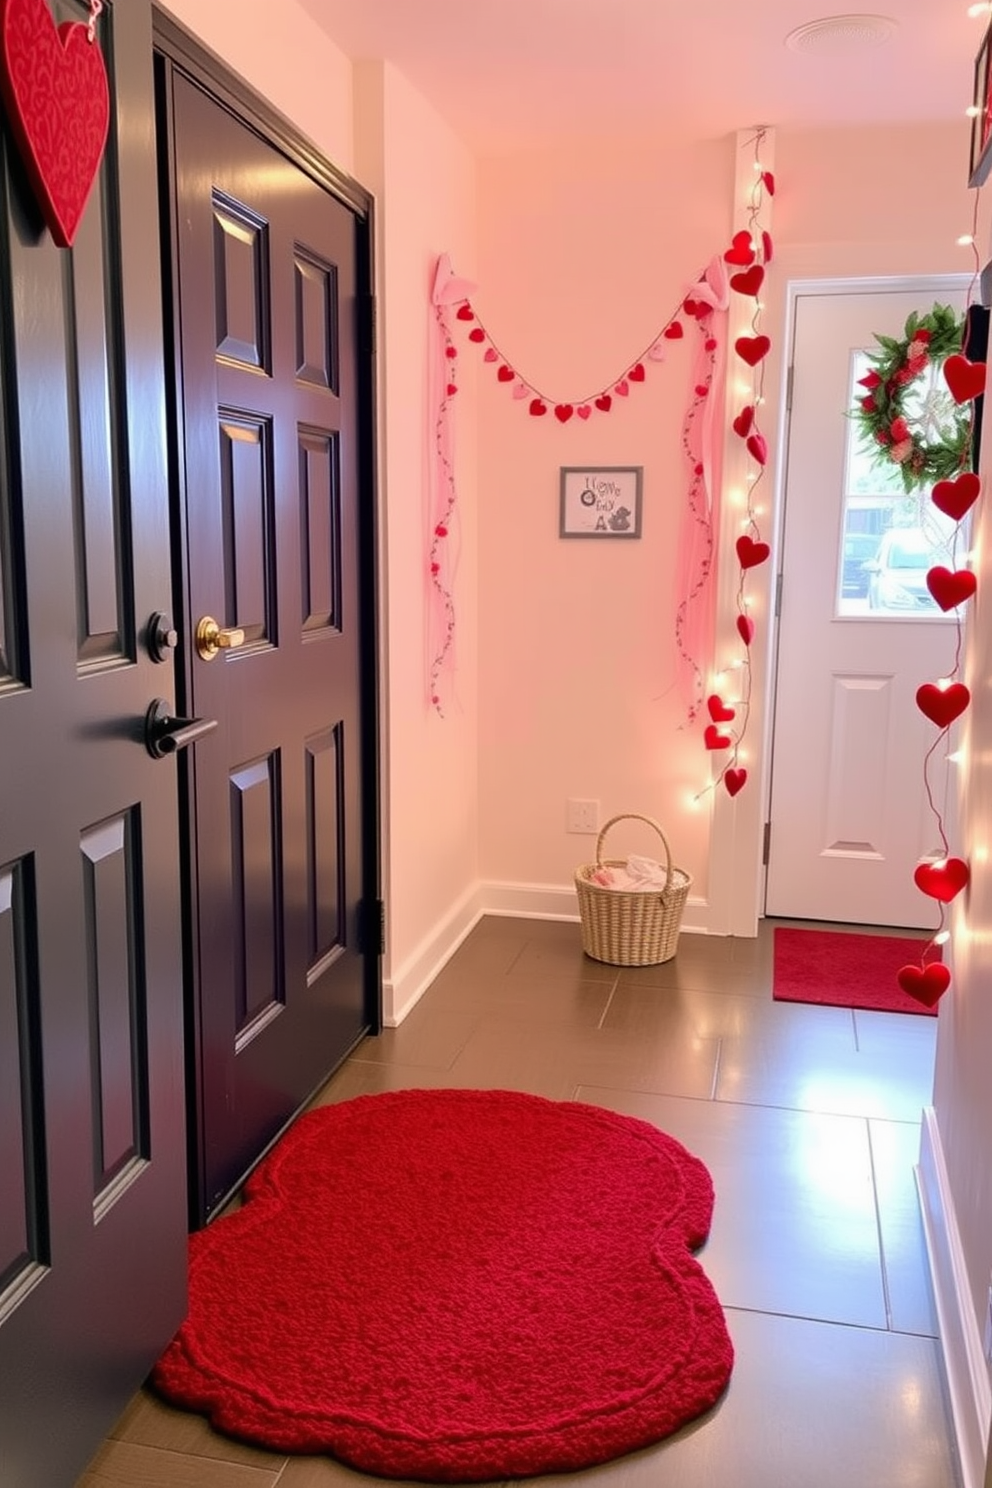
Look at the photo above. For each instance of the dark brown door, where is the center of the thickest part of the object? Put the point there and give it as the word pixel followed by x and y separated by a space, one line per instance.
pixel 267 301
pixel 92 1152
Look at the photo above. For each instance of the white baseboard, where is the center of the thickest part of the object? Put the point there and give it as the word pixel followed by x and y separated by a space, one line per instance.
pixel 965 1369
pixel 403 988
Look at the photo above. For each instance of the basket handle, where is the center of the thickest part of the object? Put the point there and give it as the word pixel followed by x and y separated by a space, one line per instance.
pixel 635 816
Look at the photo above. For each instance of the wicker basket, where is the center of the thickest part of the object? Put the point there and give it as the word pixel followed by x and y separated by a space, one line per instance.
pixel 635 927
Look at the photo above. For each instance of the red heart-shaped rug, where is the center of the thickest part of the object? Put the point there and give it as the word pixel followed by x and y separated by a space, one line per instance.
pixel 674 332
pixel 964 379
pixel 719 711
pixel 563 412
pixel 955 497
pixel 757 447
pixel 927 984
pixel 942 704
pixel 749 281
pixel 743 421
pixel 713 739
pixel 741 251
pixel 54 86
pixel 745 629
pixel 950 589
pixel 751 553
pixel 942 880
pixel 735 780
pixel 751 349
pixel 506 374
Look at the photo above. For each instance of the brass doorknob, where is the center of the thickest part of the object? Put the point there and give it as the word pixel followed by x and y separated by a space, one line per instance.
pixel 211 638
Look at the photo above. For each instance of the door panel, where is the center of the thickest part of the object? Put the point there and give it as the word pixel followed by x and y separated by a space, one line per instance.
pixel 849 812
pixel 92 1152
pixel 267 296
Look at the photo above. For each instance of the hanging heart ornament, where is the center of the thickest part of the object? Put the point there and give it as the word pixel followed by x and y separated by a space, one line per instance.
pixel 942 880
pixel 927 984
pixel 54 87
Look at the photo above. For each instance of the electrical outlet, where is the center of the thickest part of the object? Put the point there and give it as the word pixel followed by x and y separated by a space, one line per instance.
pixel 582 816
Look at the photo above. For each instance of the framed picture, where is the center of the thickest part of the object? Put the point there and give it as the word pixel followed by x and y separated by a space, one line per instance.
pixel 981 122
pixel 601 502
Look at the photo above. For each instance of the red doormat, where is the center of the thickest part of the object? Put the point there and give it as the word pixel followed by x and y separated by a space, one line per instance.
pixel 846 970
pixel 457 1285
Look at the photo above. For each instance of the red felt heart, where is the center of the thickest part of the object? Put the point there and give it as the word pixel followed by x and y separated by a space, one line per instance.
pixel 674 332
pixel 492 355
pixel 751 553
pixel 698 309
pixel 477 334
pixel 767 247
pixel 54 86
pixel 583 410
pixel 748 282
pixel 964 379
pixel 955 497
pixel 735 780
pixel 942 704
pixel 719 711
pixel 451 352
pixel 950 589
pixel 452 389
pixel 942 880
pixel 636 374
pixel 604 403
pixel 741 250
pixel 769 181
pixel 757 447
pixel 701 390
pixel 751 349
pixel 927 984
pixel 538 407
pixel 506 374
pixel 743 421
pixel 745 629
pixel 465 312
pixel 713 739
pixel 563 412
pixel 622 388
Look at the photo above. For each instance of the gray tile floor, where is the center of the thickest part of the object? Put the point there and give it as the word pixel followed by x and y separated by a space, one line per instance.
pixel 808 1119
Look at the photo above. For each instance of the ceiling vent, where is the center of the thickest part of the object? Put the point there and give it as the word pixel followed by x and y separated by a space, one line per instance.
pixel 843 33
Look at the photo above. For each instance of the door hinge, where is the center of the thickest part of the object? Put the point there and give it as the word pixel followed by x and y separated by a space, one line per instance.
pixel 778 595
pixel 372 927
pixel 766 844
pixel 789 380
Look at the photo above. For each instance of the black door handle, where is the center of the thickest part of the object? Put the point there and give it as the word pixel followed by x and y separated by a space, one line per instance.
pixel 164 733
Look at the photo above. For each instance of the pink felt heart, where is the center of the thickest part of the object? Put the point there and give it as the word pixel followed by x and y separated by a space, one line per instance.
pixel 741 251
pixel 743 421
pixel 927 984
pixel 477 334
pixel 955 497
pixel 942 880
pixel 622 387
pixel 950 589
pixel 674 332
pixel 719 711
pixel 54 86
pixel 492 355
pixel 735 780
pixel 745 629
pixel 713 739
pixel 964 379
pixel 751 349
pixel 751 553
pixel 584 410
pixel 604 403
pixel 636 374
pixel 942 704
pixel 521 390
pixel 757 447
pixel 465 312
pixel 538 407
pixel 506 374
pixel 657 352
pixel 749 281
pixel 563 412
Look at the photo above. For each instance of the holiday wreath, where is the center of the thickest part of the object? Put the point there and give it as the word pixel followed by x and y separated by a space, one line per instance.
pixel 907 417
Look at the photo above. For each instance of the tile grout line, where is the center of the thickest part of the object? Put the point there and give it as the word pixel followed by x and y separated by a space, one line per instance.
pixel 609 1003
pixel 878 1228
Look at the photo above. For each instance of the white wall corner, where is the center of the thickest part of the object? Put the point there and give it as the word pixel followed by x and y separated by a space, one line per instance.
pixel 966 1372
pixel 403 988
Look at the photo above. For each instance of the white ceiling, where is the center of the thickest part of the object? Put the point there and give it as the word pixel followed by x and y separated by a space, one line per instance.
pixel 511 74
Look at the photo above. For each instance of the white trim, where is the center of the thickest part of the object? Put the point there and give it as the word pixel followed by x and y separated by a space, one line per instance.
pixel 965 1368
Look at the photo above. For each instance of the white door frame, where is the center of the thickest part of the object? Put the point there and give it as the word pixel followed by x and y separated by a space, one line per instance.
pixel 737 874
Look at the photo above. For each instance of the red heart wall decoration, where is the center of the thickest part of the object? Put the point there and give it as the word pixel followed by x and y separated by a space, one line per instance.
pixel 719 711
pixel 563 412
pixel 713 739
pixel 942 704
pixel 492 355
pixel 741 251
pixel 964 379
pixel 622 387
pixel 636 373
pixel 506 374
pixel 757 447
pixel 465 312
pixel 751 349
pixel 604 403
pixel 751 553
pixel 54 86
pixel 942 880
pixel 743 421
pixel 767 247
pixel 674 332
pixel 748 282
pixel 950 589
pixel 955 497
pixel 584 410
pixel 745 629
pixel 735 780
pixel 926 983
pixel 538 407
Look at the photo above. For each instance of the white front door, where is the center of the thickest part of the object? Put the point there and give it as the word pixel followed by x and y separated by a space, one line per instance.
pixel 849 817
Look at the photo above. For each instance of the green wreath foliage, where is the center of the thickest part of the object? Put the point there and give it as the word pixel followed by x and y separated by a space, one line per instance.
pixel 925 450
